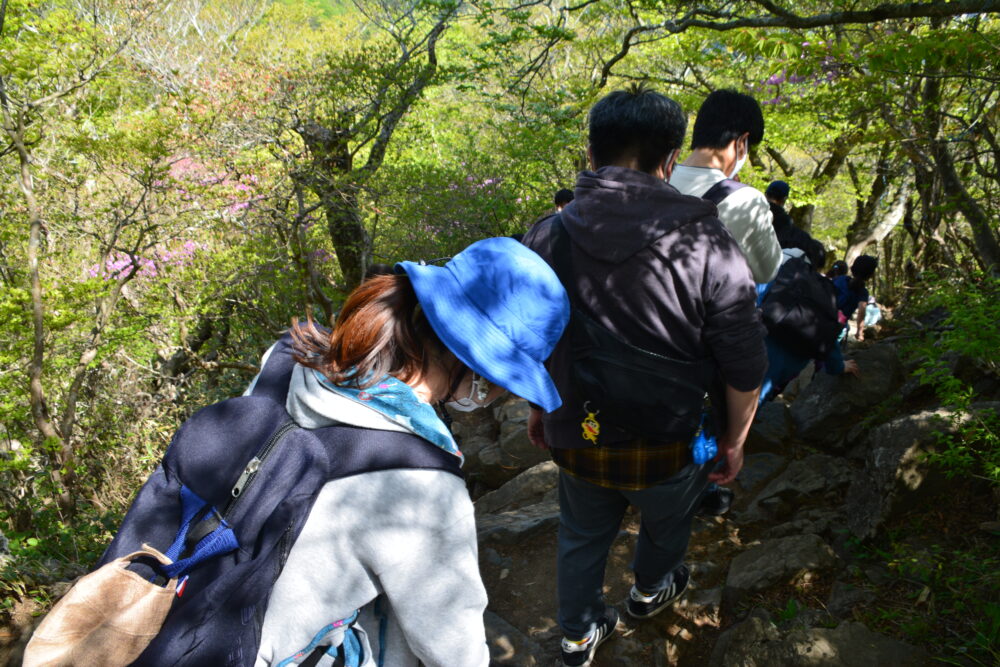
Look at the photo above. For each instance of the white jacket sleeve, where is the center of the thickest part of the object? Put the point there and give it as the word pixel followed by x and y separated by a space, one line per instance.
pixel 747 216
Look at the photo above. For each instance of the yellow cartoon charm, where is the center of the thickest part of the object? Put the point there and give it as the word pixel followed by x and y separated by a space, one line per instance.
pixel 591 427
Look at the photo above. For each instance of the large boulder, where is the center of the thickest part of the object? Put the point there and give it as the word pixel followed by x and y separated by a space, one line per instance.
pixel 771 430
pixel 531 486
pixel 787 560
pixel 896 476
pixel 817 477
pixel 759 643
pixel 515 526
pixel 831 404
pixel 495 443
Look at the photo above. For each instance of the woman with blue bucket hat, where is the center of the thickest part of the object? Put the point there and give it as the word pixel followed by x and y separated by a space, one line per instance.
pixel 399 544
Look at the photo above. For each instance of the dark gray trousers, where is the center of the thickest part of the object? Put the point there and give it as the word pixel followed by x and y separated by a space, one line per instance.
pixel 590 517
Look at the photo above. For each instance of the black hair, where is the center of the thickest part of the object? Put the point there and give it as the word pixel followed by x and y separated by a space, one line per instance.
pixel 563 197
pixel 638 121
pixel 378 270
pixel 862 269
pixel 725 115
pixel 816 253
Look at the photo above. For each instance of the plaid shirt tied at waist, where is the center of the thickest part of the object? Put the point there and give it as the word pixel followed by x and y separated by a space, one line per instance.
pixel 628 466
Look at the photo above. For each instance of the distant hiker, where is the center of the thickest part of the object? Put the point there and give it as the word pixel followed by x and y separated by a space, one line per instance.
pixel 562 197
pixel 789 236
pixel 837 269
pixel 873 314
pixel 728 124
pixel 852 295
pixel 655 281
pixel 800 312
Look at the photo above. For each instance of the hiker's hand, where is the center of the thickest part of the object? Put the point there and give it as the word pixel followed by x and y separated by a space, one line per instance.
pixel 851 366
pixel 536 431
pixel 732 462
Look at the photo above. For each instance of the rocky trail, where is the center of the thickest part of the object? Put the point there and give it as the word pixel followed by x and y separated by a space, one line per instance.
pixel 784 578
pixel 776 581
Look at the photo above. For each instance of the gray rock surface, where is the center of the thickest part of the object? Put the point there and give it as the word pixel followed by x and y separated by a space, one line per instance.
pixel 785 560
pixel 758 468
pixel 508 645
pixel 495 443
pixel 814 476
pixel 895 476
pixel 771 429
pixel 758 643
pixel 516 525
pixel 527 488
pixel 827 409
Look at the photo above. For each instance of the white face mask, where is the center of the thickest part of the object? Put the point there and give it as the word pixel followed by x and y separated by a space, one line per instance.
pixel 478 394
pixel 740 161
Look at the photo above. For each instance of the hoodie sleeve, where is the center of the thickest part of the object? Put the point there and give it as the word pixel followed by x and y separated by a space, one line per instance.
pixel 435 589
pixel 733 329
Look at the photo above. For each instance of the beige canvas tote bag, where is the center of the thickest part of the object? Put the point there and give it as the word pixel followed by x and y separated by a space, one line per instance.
pixel 105 620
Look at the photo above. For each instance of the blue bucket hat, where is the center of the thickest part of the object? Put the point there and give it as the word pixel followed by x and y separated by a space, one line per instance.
pixel 501 310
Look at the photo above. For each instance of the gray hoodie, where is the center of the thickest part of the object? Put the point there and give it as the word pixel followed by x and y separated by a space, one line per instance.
pixel 399 544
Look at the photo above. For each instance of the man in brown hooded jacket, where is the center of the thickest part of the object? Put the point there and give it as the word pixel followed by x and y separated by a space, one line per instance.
pixel 659 270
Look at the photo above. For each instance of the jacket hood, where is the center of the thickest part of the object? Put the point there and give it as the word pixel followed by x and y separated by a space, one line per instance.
pixel 616 212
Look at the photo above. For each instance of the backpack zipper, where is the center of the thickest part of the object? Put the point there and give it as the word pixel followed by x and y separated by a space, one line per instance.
pixel 250 471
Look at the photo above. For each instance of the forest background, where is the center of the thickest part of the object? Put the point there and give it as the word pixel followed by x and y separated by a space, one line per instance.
pixel 180 179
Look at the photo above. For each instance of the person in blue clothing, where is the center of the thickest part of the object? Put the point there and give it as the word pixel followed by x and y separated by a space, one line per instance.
pixel 852 294
pixel 783 365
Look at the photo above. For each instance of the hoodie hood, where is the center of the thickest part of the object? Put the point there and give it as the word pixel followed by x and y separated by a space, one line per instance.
pixel 608 204
pixel 388 405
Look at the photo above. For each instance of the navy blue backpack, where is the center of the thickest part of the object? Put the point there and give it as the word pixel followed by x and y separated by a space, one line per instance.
pixel 227 503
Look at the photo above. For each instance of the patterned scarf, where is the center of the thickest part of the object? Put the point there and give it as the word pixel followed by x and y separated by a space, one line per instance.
pixel 397 402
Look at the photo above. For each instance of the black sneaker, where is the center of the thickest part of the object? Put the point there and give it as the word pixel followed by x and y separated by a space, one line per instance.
pixel 716 502
pixel 640 605
pixel 579 653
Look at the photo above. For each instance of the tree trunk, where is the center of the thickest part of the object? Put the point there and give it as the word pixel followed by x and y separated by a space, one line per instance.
pixel 987 246
pixel 860 238
pixel 348 233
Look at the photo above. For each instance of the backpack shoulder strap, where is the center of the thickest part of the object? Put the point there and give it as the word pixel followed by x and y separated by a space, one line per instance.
pixel 274 377
pixel 562 261
pixel 722 189
pixel 356 450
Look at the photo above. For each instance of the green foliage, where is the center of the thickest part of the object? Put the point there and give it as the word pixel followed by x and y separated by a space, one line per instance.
pixel 972 443
pixel 942 594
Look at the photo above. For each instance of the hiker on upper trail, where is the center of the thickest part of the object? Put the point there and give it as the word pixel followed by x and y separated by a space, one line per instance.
pixel 561 198
pixel 728 124
pixel 800 311
pixel 401 544
pixel 852 294
pixel 873 315
pixel 788 235
pixel 648 270
pixel 838 268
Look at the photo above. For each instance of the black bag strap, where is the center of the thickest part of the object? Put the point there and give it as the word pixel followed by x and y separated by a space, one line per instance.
pixel 562 260
pixel 274 377
pixel 357 450
pixel 722 189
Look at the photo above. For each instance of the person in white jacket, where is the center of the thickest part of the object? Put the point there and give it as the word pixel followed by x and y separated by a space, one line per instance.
pixel 400 545
pixel 727 125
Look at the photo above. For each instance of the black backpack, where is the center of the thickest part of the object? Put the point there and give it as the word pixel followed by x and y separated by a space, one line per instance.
pixel 647 394
pixel 800 310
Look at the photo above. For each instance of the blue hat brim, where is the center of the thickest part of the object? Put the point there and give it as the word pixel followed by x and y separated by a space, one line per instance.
pixel 478 343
